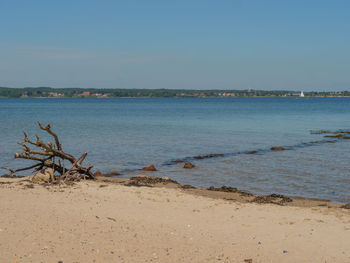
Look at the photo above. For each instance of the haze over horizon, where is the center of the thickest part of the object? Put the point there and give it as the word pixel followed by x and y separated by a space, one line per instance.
pixel 268 45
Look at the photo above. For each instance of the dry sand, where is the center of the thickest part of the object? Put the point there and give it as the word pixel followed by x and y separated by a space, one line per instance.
pixel 107 222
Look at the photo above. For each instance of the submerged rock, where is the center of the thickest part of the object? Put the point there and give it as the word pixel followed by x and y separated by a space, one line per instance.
pixel 252 152
pixel 97 174
pixel 149 168
pixel 188 165
pixel 212 155
pixel 339 136
pixel 320 132
pixel 44 176
pixel 110 174
pixel 334 136
pixel 277 148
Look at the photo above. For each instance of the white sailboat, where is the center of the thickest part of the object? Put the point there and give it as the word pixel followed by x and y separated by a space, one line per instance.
pixel 302 95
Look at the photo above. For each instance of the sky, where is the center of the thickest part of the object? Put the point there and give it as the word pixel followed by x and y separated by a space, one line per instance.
pixel 178 44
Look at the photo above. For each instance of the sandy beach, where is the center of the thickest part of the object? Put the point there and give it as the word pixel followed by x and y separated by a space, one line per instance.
pixel 102 221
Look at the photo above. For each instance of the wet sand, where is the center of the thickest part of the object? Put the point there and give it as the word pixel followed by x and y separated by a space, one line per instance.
pixel 107 221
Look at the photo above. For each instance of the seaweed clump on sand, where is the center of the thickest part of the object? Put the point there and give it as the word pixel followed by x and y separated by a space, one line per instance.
pixel 188 186
pixel 224 188
pixel 272 199
pixel 229 189
pixel 145 180
pixel 346 206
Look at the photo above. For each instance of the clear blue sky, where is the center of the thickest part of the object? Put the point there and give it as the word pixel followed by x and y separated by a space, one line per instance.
pixel 191 44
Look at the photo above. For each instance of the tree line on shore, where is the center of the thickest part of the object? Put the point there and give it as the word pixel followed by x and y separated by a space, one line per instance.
pixel 43 92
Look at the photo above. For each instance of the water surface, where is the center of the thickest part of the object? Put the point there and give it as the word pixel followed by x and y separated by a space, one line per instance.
pixel 127 134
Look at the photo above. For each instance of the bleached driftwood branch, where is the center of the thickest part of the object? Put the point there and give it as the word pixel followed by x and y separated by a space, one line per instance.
pixel 49 155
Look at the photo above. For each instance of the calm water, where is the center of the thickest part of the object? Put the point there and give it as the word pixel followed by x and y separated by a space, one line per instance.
pixel 127 134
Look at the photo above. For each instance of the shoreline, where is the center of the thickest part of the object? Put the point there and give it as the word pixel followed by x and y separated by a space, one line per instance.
pixel 224 192
pixel 227 193
pixel 153 220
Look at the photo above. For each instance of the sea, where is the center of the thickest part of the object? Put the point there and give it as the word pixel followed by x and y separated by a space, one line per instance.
pixel 227 139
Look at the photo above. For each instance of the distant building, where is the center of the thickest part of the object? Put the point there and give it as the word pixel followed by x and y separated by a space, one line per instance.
pixel 53 94
pixel 84 94
pixel 226 94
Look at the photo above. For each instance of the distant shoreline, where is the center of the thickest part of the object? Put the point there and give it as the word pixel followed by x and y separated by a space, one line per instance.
pixel 47 92
pixel 250 97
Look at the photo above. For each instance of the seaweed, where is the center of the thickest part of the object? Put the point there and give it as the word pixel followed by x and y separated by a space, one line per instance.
pixel 272 199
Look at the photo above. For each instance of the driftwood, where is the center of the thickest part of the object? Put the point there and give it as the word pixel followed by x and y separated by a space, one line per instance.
pixel 51 155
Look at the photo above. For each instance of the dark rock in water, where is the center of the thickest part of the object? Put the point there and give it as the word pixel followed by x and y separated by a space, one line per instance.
pixel 277 148
pixel 320 132
pixel 334 136
pixel 347 206
pixel 212 155
pixel 111 174
pixel 98 173
pixel 189 165
pixel 149 168
pixel 338 135
pixel 178 161
pixel 314 142
pixel 252 152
